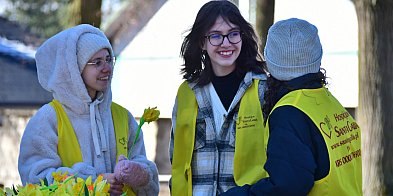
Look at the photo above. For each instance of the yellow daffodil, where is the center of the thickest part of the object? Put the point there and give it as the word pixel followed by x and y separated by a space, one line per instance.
pixel 62 185
pixel 149 115
pixel 88 180
pixel 78 187
pixel 59 177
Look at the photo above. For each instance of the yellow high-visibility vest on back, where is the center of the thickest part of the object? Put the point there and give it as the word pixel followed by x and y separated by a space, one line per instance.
pixel 342 137
pixel 249 156
pixel 68 145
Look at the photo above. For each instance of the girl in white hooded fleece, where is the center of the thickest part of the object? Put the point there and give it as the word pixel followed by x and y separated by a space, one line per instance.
pixel 76 66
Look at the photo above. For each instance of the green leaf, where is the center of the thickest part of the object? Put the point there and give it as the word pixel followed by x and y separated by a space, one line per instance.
pixel 86 191
pixel 84 184
pixel 70 177
pixel 46 183
pixel 51 188
pixel 15 190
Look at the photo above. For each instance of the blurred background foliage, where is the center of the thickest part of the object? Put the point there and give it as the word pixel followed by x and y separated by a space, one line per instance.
pixel 48 17
pixel 42 17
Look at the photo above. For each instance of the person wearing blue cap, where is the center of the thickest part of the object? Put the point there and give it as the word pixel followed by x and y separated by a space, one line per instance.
pixel 313 145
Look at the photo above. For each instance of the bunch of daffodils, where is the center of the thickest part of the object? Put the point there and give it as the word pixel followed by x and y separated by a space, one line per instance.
pixel 63 184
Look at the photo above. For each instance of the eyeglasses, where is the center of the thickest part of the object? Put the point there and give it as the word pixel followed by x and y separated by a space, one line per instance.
pixel 216 39
pixel 99 64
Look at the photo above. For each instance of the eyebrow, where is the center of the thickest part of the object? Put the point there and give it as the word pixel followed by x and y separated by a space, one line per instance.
pixel 230 30
pixel 102 58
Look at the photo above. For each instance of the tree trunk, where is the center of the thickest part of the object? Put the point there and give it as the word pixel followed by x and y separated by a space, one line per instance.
pixel 264 18
pixel 91 12
pixel 163 137
pixel 374 115
pixel 84 12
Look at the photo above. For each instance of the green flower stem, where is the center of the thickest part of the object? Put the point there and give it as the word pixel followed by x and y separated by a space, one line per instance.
pixel 141 122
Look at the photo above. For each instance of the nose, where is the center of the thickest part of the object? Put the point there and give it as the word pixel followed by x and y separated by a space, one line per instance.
pixel 225 41
pixel 106 67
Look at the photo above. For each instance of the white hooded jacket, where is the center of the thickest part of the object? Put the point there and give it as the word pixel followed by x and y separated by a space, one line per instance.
pixel 58 73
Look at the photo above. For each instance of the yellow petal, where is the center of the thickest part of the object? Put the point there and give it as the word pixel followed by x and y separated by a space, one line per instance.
pixel 88 180
pixel 151 114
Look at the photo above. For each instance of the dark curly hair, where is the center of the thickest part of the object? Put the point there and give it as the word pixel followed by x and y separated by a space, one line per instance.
pixel 197 64
pixel 273 86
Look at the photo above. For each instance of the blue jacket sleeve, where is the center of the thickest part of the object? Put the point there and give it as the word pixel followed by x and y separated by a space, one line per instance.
pixel 290 156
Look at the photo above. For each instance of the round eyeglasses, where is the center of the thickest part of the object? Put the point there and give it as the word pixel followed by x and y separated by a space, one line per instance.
pixel 216 39
pixel 100 63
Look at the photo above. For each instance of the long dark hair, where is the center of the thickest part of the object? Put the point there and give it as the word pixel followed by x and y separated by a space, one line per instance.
pixel 197 64
pixel 274 86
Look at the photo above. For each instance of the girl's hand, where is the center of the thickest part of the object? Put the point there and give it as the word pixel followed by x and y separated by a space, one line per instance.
pixel 116 187
pixel 131 173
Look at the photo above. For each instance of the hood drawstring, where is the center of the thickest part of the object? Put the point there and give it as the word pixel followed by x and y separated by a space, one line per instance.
pixel 100 135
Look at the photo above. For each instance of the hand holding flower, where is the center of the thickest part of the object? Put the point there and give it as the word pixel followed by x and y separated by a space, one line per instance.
pixel 131 173
pixel 116 187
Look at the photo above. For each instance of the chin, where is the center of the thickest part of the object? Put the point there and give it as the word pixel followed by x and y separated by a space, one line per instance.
pixel 228 66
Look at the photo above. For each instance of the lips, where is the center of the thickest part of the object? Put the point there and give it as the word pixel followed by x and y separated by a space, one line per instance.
pixel 226 53
pixel 104 78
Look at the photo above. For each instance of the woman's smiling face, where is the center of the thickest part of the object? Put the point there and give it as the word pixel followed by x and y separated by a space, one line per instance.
pixel 223 57
pixel 97 78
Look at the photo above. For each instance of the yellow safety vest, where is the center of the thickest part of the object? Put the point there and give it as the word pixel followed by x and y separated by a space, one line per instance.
pixel 68 145
pixel 342 137
pixel 249 156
